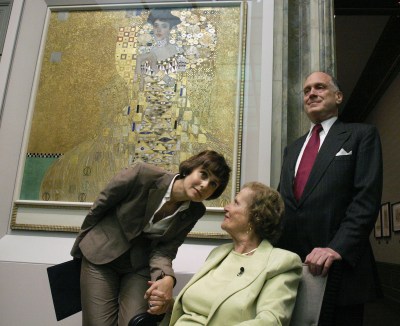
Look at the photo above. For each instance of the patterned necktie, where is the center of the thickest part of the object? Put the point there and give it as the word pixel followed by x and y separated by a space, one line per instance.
pixel 307 161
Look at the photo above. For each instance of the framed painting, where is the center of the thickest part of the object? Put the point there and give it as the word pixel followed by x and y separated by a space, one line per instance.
pixel 378 226
pixel 386 225
pixel 113 86
pixel 396 217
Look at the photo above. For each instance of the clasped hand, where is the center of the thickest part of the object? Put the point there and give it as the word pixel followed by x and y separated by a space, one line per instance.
pixel 159 295
pixel 320 260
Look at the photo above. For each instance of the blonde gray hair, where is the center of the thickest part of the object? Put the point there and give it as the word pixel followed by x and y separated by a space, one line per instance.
pixel 265 211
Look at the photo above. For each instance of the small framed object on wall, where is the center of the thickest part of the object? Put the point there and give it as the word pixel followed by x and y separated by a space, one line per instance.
pixel 396 217
pixel 386 225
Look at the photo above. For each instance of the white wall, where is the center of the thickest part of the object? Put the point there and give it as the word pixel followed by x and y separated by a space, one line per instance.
pixel 25 297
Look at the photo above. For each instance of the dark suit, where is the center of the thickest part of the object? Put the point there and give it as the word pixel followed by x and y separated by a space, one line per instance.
pixel 339 205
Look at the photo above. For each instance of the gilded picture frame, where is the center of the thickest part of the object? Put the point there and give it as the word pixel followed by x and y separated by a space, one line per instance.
pixel 90 104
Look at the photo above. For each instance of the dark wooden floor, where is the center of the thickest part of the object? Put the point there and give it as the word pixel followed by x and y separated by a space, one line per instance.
pixel 381 313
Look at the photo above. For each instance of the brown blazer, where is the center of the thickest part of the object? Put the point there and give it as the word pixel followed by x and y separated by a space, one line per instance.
pixel 116 220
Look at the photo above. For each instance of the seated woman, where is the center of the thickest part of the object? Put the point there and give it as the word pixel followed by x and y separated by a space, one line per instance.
pixel 244 282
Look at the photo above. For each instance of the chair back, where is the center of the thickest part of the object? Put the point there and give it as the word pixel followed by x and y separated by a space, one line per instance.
pixel 309 299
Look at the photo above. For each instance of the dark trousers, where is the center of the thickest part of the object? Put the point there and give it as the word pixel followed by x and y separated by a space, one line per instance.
pixel 352 315
pixel 333 314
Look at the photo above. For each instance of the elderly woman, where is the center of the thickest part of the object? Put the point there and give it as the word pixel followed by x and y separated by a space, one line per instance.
pixel 133 231
pixel 248 281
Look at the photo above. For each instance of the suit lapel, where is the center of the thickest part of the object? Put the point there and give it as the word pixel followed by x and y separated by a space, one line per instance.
pixel 291 158
pixel 332 144
pixel 182 220
pixel 156 195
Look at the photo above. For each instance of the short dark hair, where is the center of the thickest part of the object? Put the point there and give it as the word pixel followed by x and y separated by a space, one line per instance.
pixel 265 211
pixel 212 161
pixel 163 15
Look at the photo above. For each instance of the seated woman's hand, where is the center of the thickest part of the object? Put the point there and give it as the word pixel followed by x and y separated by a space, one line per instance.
pixel 159 296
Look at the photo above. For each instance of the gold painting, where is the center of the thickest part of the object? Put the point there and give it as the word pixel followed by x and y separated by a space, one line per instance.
pixel 117 86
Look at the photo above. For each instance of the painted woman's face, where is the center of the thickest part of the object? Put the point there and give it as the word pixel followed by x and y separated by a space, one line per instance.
pixel 161 29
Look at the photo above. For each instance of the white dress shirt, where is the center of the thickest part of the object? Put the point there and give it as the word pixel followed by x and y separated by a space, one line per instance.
pixel 326 125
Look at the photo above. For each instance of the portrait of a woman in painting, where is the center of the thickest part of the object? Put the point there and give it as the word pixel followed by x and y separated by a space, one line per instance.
pixel 168 131
pixel 167 89
pixel 163 55
pixel 158 65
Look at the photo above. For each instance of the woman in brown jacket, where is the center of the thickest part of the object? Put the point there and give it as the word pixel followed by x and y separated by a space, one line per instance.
pixel 133 231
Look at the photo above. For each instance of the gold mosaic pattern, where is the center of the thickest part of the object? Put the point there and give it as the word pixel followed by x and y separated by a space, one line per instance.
pixel 91 107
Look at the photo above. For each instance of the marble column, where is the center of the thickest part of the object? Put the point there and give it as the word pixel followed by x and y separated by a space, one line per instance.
pixel 304 42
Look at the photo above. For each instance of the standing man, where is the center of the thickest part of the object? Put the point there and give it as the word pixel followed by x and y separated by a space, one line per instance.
pixel 331 182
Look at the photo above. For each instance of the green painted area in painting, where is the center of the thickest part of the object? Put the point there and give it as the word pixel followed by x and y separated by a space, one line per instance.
pixel 35 169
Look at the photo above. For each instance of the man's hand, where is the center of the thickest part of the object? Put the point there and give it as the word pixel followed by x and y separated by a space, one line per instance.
pixel 159 295
pixel 319 260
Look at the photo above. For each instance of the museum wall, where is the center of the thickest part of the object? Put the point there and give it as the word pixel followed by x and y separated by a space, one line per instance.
pixel 386 117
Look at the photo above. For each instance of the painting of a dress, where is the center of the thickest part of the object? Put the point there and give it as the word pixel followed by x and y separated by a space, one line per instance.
pixel 163 127
pixel 168 90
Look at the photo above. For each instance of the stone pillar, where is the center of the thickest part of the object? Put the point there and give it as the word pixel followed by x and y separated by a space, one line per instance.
pixel 304 42
pixel 311 47
pixel 280 89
